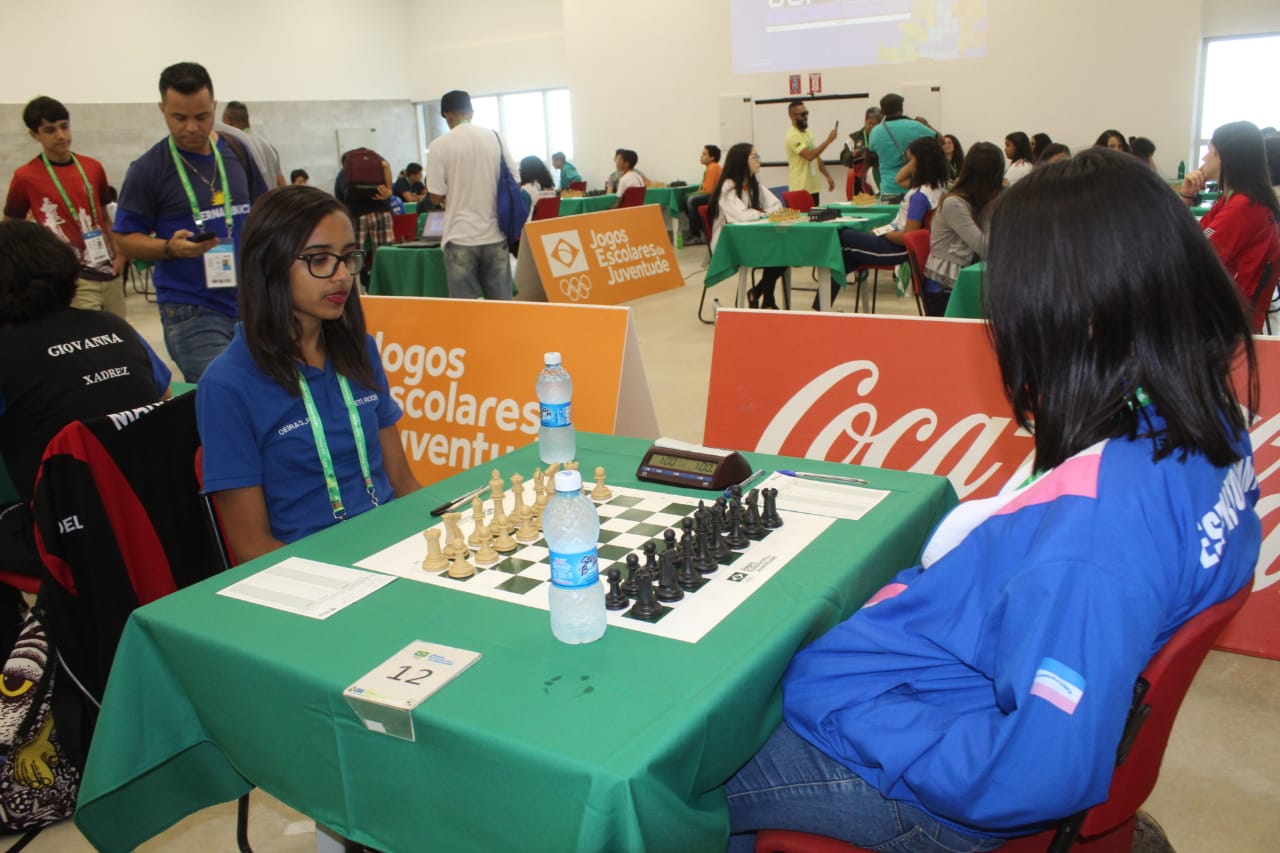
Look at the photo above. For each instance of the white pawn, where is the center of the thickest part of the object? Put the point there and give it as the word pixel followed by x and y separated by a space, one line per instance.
pixel 435 560
pixel 486 556
pixel 502 542
pixel 460 568
pixel 477 518
pixel 528 530
pixel 601 492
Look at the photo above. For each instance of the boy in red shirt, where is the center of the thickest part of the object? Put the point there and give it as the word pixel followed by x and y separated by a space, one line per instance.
pixel 66 193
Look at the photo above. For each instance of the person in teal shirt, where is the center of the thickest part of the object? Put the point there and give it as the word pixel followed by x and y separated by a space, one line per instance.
pixel 889 140
pixel 568 172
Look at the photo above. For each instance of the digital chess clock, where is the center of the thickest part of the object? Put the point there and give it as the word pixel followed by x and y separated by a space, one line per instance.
pixel 678 463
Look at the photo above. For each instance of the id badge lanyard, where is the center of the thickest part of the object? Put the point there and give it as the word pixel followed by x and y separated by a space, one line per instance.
pixel 191 196
pixel 322 445
pixel 95 244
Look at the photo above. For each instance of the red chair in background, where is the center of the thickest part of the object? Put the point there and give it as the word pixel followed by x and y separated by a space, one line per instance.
pixel 917 254
pixel 798 200
pixel 578 185
pixel 632 197
pixel 546 208
pixel 890 268
pixel 404 227
pixel 1107 827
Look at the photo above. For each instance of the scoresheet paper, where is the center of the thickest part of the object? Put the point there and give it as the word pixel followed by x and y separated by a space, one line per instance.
pixel 306 587
pixel 816 497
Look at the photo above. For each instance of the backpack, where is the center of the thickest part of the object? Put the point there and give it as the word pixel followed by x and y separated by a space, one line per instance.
pixel 362 174
pixel 513 207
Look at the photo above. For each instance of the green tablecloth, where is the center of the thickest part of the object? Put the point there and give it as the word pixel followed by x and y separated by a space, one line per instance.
pixel 417 271
pixel 865 209
pixel 671 198
pixel 966 294
pixel 209 695
pixel 795 244
pixel 587 204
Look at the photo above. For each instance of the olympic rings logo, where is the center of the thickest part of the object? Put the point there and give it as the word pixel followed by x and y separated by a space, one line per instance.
pixel 576 287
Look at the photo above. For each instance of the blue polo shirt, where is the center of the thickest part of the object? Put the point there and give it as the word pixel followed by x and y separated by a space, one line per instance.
pixel 256 434
pixel 153 201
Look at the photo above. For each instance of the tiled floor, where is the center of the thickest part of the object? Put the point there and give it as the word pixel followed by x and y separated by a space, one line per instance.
pixel 1219 785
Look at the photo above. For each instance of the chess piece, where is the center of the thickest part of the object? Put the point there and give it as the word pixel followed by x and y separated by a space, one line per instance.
pixel 496 492
pixel 650 550
pixel 477 522
pixel 550 477
pixel 571 466
pixel 500 522
pixel 460 568
pixel 527 532
pixel 770 518
pixel 455 544
pixel 751 524
pixel 715 529
pixel 646 606
pixel 736 538
pixel 705 559
pixel 502 541
pixel 668 585
pixel 435 561
pixel 601 492
pixel 689 577
pixel 539 486
pixel 669 541
pixel 631 584
pixel 615 598
pixel 519 512
pixel 486 555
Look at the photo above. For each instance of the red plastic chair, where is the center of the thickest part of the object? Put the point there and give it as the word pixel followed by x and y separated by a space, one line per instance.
pixel 798 200
pixel 578 185
pixel 1107 827
pixel 546 208
pixel 404 227
pixel 1260 308
pixel 632 197
pixel 890 268
pixel 917 254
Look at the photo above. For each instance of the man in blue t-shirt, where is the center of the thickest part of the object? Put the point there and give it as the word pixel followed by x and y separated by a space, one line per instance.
pixel 190 184
pixel 889 140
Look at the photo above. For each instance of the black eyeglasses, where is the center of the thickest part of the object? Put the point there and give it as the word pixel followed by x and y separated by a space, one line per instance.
pixel 801 114
pixel 325 264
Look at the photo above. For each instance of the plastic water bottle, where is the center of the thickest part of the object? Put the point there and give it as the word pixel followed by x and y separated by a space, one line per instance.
pixel 556 440
pixel 571 526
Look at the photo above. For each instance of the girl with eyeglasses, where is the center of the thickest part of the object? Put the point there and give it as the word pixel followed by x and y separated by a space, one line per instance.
pixel 298 426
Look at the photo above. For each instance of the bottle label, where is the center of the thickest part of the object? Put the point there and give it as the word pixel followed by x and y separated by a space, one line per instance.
pixel 557 414
pixel 574 570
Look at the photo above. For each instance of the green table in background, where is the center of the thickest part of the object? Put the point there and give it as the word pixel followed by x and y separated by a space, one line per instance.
pixel 587 204
pixel 798 243
pixel 413 271
pixel 848 208
pixel 966 294
pixel 622 744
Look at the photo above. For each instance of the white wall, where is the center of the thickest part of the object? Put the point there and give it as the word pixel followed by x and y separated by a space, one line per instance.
pixel 1240 17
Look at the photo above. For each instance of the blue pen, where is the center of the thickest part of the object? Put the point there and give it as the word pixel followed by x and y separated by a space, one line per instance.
pixel 830 478
pixel 755 475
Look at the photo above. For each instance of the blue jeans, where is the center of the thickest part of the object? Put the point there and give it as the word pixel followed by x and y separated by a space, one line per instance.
pixel 793 785
pixel 194 335
pixel 475 271
pixel 868 250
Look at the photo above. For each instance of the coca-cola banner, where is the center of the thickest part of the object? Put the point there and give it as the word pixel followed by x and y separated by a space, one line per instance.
pixel 924 395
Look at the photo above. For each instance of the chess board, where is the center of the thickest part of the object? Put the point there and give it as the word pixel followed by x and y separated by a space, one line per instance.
pixel 628 520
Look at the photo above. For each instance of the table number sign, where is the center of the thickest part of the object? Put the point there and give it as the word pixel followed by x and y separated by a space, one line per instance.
pixel 384 698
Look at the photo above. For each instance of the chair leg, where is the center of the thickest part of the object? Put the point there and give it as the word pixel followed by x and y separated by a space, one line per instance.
pixel 242 824
pixel 701 303
pixel 875 286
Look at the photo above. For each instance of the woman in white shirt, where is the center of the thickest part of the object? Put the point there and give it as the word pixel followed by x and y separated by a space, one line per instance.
pixel 1017 148
pixel 738 197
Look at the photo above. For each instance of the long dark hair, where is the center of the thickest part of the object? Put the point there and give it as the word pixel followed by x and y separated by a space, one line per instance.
pixel 1110 133
pixel 1039 142
pixel 533 170
pixel 957 154
pixel 982 177
pixel 737 168
pixel 1021 147
pixel 278 226
pixel 1243 157
pixel 1080 320
pixel 932 169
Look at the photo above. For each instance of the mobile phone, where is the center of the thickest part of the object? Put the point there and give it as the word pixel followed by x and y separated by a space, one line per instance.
pixel 202 236
pixel 837 125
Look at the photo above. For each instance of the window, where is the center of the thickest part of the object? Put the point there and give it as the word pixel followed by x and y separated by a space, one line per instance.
pixel 1234 88
pixel 534 123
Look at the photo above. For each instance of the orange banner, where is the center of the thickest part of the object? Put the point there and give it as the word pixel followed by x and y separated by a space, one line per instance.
pixel 924 395
pixel 463 371
pixel 604 258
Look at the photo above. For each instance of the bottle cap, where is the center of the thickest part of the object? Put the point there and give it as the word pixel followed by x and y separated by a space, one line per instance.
pixel 568 481
pixel 550 358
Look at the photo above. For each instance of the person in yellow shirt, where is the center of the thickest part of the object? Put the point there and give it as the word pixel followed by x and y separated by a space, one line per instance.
pixel 710 158
pixel 804 159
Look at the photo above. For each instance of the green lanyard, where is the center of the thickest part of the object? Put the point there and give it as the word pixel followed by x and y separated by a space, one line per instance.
pixel 322 445
pixel 191 196
pixel 66 199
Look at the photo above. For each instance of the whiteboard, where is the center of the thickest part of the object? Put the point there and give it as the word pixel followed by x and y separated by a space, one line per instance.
pixel 356 137
pixel 771 121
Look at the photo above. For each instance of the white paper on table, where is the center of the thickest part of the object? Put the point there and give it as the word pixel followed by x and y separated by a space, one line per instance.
pixel 816 497
pixel 306 587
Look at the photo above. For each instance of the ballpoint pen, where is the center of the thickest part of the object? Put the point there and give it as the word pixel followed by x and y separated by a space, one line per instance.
pixel 755 475
pixel 831 478
pixel 448 506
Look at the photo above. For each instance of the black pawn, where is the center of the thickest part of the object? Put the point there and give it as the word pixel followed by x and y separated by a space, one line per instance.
pixel 646 606
pixel 770 518
pixel 615 598
pixel 705 560
pixel 751 524
pixel 668 587
pixel 669 539
pixel 631 585
pixel 736 538
pixel 722 550
pixel 650 549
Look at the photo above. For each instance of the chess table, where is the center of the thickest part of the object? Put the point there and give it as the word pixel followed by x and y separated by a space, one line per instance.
pixel 622 744
pixel 745 245
pixel 966 293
